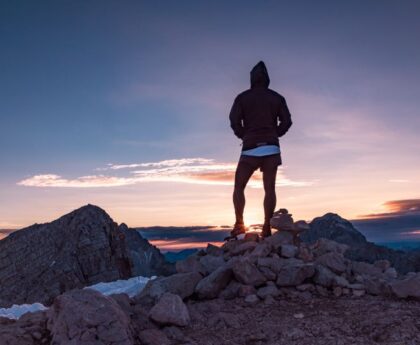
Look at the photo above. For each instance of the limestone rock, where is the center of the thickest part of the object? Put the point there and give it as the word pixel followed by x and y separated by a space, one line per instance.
pixel 247 273
pixel 182 284
pixel 170 310
pixel 85 316
pixel 334 261
pixel 210 286
pixel 292 275
pixel 81 248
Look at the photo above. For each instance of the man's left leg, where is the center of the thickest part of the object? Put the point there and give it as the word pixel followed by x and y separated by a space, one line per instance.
pixel 269 180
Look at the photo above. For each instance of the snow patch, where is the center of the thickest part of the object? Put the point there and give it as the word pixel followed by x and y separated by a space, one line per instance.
pixel 16 311
pixel 131 286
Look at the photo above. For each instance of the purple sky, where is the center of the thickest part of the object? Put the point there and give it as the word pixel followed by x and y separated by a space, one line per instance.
pixel 126 106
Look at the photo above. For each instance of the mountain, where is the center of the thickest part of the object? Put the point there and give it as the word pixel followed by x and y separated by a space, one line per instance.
pixel 181 255
pixel 81 248
pixel 338 229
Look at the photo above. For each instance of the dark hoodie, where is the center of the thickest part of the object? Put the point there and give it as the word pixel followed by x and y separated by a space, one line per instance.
pixel 259 116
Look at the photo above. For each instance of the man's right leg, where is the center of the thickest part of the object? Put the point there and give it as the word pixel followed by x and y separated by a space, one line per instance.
pixel 243 173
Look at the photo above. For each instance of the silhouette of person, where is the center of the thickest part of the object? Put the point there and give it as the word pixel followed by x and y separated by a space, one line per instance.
pixel 259 116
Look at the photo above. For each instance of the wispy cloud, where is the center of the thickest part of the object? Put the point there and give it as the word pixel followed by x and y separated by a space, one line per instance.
pixel 187 170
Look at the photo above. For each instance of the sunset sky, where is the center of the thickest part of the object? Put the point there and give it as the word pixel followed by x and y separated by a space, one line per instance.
pixel 125 105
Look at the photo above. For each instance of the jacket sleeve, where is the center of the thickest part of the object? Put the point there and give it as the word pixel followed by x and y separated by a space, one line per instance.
pixel 235 118
pixel 285 119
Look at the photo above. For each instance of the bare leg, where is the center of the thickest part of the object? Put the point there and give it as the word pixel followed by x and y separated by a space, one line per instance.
pixel 243 174
pixel 269 179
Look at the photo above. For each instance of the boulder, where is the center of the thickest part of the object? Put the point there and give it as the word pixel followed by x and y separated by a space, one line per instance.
pixel 383 265
pixel 268 273
pixel 324 276
pixel 408 287
pixel 323 246
pixel 279 238
pixel 211 262
pixel 231 291
pixel 364 268
pixel 85 317
pixel 190 264
pixel 210 286
pixel 261 250
pixel 214 250
pixel 288 250
pixel 182 284
pixel 243 248
pixel 170 310
pixel 332 260
pixel 247 273
pixel 292 275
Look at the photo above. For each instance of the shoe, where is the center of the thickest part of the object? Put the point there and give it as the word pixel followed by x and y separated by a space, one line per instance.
pixel 266 231
pixel 238 228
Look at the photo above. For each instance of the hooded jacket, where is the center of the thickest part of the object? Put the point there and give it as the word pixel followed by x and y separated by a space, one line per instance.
pixel 259 115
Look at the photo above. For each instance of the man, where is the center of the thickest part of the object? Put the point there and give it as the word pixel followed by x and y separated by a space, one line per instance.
pixel 259 116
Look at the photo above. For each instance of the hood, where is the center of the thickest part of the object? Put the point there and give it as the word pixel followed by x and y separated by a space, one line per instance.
pixel 259 75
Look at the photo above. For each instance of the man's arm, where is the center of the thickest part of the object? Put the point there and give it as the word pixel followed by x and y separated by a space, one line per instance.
pixel 235 118
pixel 285 119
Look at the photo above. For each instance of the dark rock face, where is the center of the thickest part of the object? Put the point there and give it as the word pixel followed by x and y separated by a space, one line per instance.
pixel 81 248
pixel 331 226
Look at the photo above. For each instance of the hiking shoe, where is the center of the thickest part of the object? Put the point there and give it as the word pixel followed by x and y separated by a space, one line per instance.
pixel 238 228
pixel 266 231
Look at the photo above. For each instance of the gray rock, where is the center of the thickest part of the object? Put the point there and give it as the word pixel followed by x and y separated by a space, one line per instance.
pixel 211 262
pixel 391 273
pixel 247 273
pixel 324 246
pixel 252 299
pixel 81 248
pixel 261 250
pixel 293 275
pixel 324 276
pixel 231 291
pixel 243 248
pixel 383 265
pixel 214 250
pixel 182 284
pixel 364 268
pixel 408 287
pixel 288 250
pixel 268 273
pixel 170 310
pixel 210 286
pixel 334 261
pixel 86 316
pixel 279 238
pixel 190 264
pixel 266 291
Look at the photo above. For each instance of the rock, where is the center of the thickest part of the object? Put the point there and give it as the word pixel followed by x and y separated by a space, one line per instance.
pixel 359 293
pixel 266 291
pixel 268 274
pixel 334 261
pixel 153 336
pixel 338 291
pixel 293 275
pixel 298 316
pixel 301 226
pixel 306 287
pixel 288 250
pixel 279 238
pixel 261 250
pixel 252 299
pixel 364 268
pixel 252 236
pixel 408 287
pixel 81 248
pixel 211 262
pixel 170 310
pixel 246 290
pixel 324 246
pixel 391 273
pixel 324 276
pixel 30 328
pixel 322 291
pixel 231 291
pixel 190 264
pixel 376 286
pixel 182 284
pixel 383 265
pixel 282 221
pixel 243 248
pixel 86 316
pixel 214 250
pixel 124 302
pixel 247 273
pixel 210 286
pixel 304 253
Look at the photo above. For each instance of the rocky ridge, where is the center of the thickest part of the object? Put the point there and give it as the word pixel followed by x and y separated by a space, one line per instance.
pixel 81 248
pixel 250 291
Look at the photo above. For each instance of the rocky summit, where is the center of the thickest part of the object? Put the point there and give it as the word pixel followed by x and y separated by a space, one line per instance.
pixel 81 248
pixel 275 291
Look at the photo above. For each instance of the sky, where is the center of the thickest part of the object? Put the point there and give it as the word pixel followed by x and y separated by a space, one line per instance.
pixel 125 105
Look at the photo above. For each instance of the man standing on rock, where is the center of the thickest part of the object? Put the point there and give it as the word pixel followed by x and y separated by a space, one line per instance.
pixel 259 116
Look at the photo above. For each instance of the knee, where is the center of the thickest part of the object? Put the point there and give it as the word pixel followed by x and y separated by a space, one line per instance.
pixel 239 187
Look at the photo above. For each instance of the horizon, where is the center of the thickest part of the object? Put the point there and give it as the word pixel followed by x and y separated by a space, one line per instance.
pixel 127 107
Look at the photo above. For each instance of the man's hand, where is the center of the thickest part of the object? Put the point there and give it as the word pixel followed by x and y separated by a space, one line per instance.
pixel 285 119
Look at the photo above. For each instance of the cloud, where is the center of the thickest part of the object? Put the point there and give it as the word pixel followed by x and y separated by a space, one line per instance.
pixel 400 222
pixel 187 170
